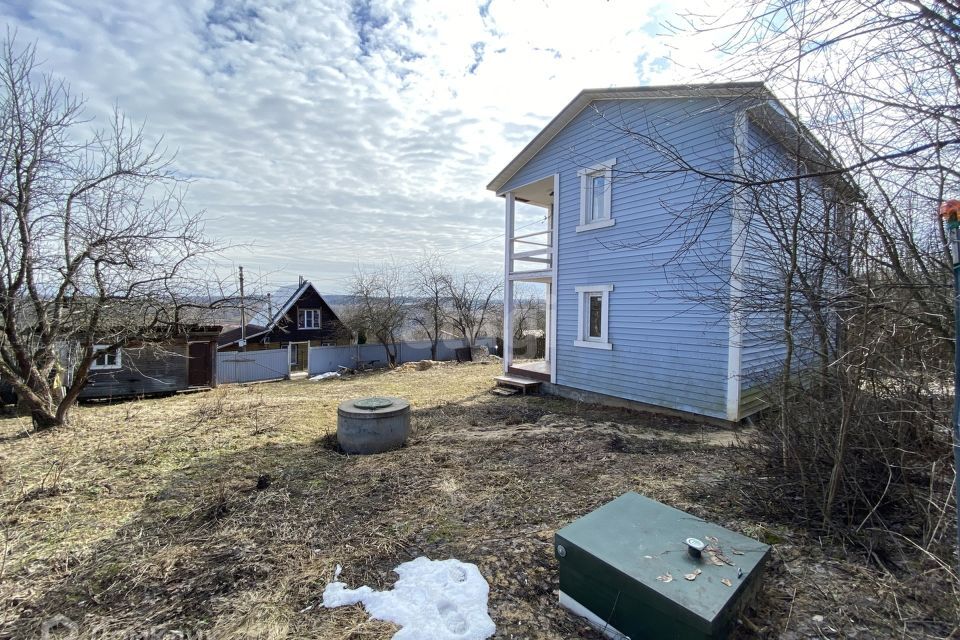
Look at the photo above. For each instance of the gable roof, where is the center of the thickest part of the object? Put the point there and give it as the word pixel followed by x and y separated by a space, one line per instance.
pixel 776 118
pixel 292 293
pixel 587 96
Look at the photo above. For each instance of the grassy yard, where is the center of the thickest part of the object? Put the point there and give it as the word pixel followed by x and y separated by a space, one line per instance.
pixel 227 512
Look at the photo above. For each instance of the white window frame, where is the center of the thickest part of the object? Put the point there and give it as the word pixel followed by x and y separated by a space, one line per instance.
pixel 302 315
pixel 604 169
pixel 117 359
pixel 584 339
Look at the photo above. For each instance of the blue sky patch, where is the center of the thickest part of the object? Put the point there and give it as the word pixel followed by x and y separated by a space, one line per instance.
pixel 367 24
pixel 478 48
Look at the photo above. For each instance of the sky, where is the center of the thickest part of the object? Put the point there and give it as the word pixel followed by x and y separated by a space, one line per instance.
pixel 323 135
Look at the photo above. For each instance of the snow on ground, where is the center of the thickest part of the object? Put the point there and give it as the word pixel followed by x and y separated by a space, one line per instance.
pixel 432 600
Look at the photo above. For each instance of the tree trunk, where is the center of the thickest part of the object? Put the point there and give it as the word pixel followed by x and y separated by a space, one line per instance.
pixel 391 355
pixel 435 338
pixel 43 420
pixel 839 456
pixel 40 405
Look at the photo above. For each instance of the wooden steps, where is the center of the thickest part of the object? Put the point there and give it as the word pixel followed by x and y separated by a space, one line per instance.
pixel 504 392
pixel 518 382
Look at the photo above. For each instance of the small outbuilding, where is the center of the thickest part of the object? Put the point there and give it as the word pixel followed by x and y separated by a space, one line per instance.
pixel 158 366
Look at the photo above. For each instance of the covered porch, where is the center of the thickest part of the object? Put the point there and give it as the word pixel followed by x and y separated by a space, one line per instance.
pixel 529 331
pixel 533 369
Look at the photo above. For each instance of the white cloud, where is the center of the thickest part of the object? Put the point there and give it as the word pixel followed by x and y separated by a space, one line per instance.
pixel 330 133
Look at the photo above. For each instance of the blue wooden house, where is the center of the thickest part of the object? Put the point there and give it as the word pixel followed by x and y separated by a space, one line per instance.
pixel 645 239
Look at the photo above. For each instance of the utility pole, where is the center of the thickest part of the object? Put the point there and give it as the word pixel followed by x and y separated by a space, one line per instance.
pixel 243 317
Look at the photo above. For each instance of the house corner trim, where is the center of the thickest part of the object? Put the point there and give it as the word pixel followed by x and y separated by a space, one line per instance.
pixel 738 244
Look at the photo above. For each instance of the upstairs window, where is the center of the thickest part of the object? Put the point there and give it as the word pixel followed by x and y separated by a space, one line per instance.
pixel 105 358
pixel 596 202
pixel 593 304
pixel 308 318
pixel 596 190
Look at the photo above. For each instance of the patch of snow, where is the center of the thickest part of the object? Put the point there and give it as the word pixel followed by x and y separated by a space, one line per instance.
pixel 432 600
pixel 325 376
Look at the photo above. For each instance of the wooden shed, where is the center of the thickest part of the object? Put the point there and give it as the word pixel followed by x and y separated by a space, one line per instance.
pixel 186 360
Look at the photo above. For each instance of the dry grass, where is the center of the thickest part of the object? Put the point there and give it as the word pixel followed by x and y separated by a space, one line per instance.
pixel 228 511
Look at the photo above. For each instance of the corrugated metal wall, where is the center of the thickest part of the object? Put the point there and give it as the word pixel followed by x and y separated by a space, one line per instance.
pixel 272 364
pixel 251 366
pixel 324 359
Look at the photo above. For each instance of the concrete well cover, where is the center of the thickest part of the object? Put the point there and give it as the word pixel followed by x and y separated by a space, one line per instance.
pixel 373 403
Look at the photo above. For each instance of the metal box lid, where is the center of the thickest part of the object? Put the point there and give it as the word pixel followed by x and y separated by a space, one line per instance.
pixel 644 541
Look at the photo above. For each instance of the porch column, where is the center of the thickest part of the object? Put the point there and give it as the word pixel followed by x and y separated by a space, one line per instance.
pixel 548 322
pixel 554 268
pixel 548 290
pixel 508 283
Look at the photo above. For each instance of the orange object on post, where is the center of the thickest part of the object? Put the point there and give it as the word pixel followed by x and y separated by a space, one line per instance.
pixel 950 209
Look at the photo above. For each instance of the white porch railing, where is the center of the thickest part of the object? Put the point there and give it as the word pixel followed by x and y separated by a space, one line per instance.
pixel 540 255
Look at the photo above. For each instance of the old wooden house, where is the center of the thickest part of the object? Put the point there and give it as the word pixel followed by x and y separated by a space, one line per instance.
pixel 302 320
pixel 155 366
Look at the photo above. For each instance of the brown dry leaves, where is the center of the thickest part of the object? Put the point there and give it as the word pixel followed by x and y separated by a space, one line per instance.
pixel 165 519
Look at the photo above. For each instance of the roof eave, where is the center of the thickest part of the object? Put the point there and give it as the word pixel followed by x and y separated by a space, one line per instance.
pixel 778 121
pixel 587 96
pixel 274 322
pixel 282 311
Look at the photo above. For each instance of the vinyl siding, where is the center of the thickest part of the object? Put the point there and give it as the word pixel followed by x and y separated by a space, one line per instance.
pixel 669 346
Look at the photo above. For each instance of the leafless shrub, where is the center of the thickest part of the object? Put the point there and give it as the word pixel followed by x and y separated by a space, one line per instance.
pixel 858 437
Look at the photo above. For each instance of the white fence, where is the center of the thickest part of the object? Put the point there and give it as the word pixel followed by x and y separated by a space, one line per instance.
pixel 250 366
pixel 273 364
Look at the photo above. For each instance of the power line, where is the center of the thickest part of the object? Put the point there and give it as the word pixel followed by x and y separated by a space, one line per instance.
pixel 491 239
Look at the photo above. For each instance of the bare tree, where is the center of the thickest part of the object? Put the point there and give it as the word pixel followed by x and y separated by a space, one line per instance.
pixel 858 284
pixel 529 310
pixel 379 307
pixel 428 286
pixel 472 301
pixel 529 320
pixel 96 247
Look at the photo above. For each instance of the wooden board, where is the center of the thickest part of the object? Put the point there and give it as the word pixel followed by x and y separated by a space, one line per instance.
pixel 517 382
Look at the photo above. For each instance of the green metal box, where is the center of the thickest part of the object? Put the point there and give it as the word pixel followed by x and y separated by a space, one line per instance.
pixel 626 568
